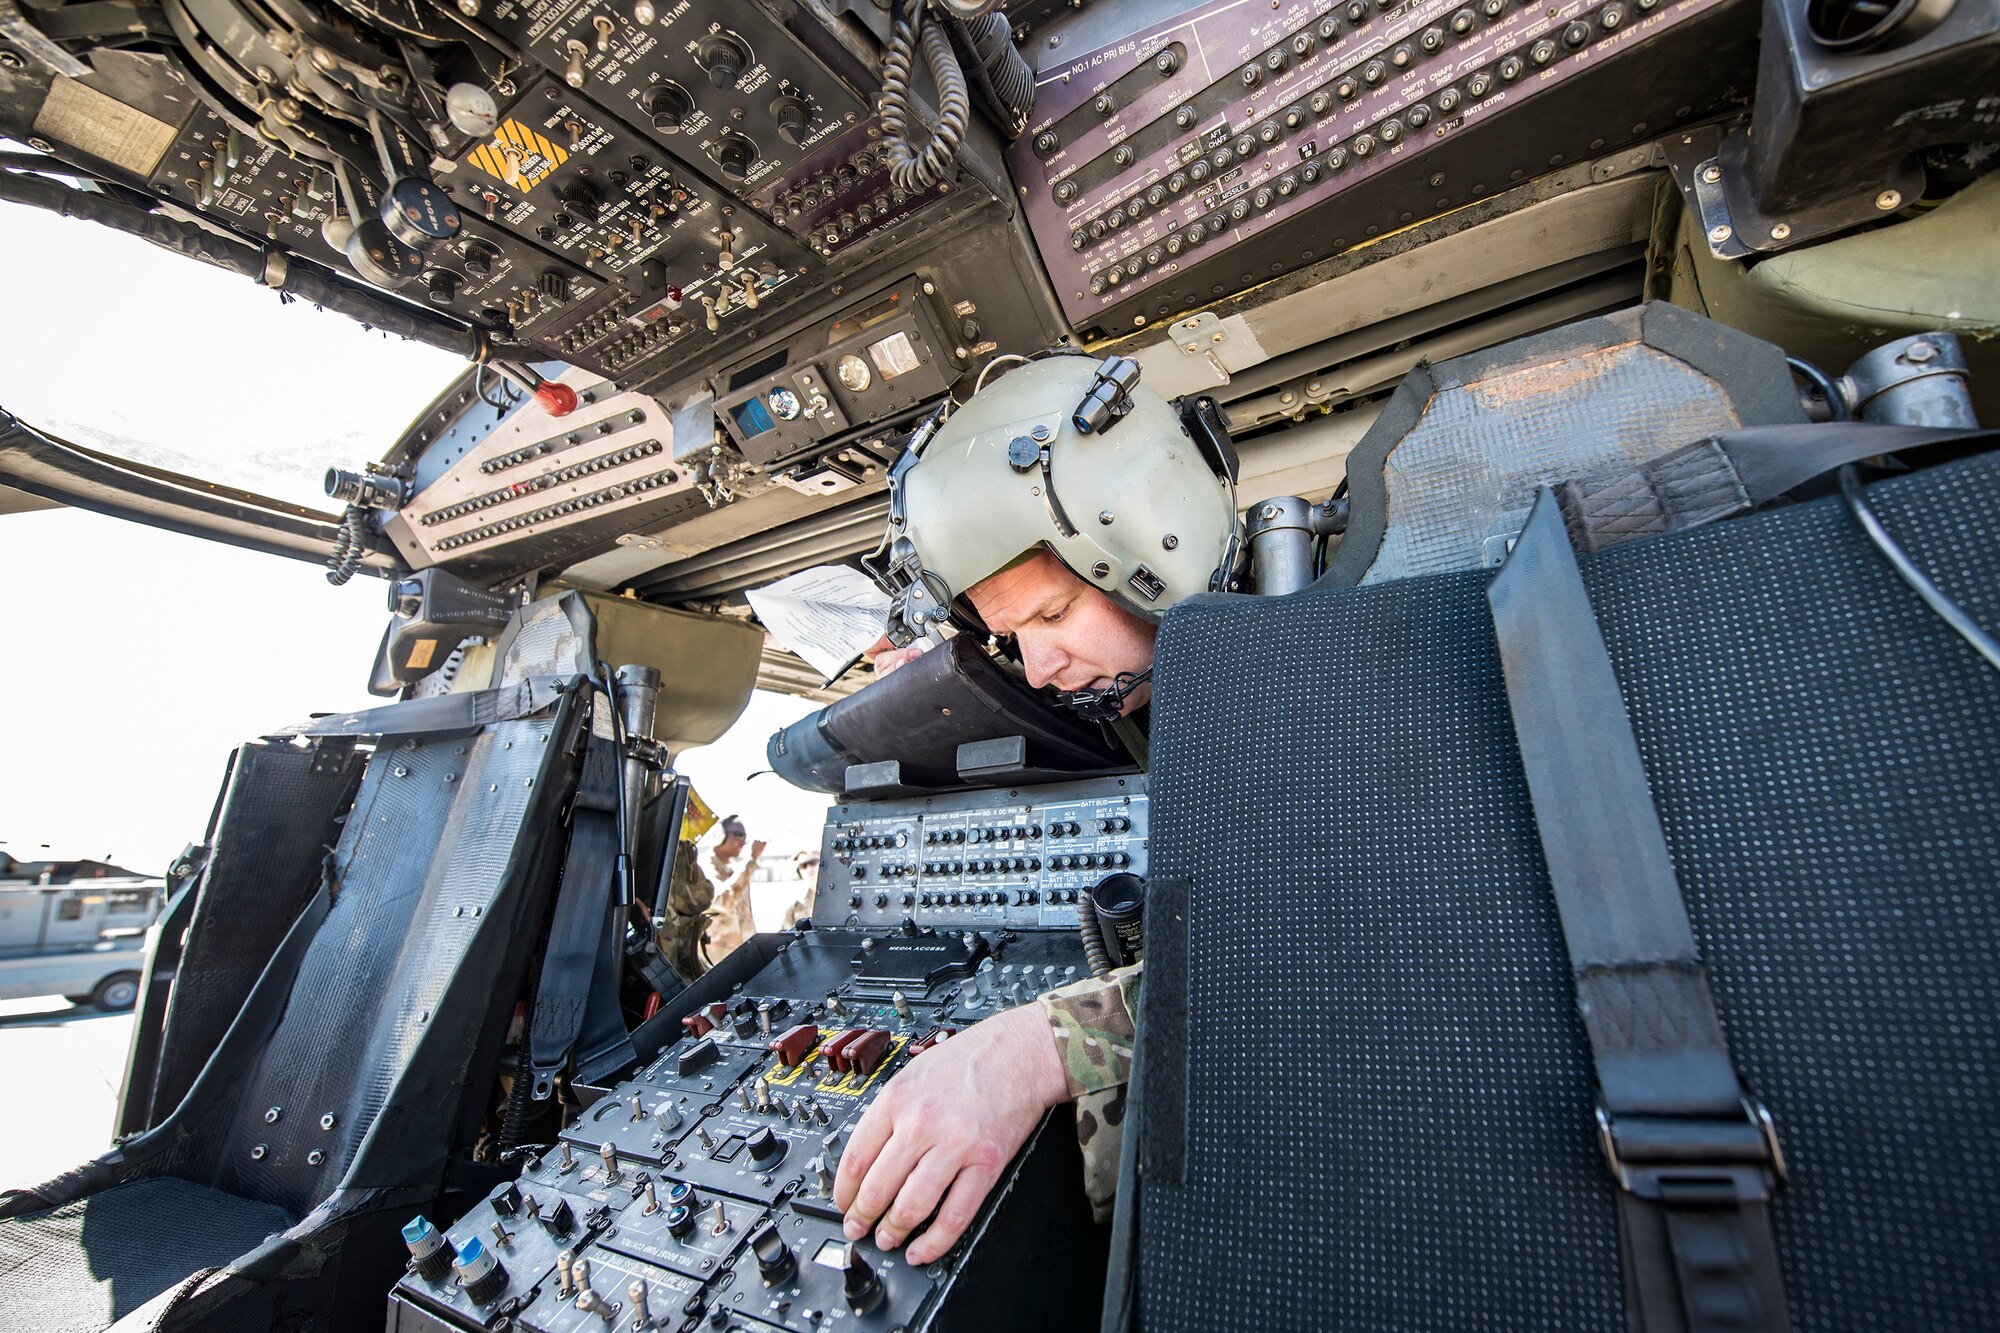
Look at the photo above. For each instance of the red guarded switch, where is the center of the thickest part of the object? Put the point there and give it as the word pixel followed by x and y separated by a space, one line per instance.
pixel 696 1025
pixel 835 1051
pixel 930 1039
pixel 795 1044
pixel 866 1051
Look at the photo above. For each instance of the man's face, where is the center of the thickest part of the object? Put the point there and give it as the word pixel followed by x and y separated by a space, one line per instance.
pixel 730 846
pixel 1069 634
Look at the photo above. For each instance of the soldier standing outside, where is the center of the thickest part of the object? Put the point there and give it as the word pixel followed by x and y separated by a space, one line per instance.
pixel 732 921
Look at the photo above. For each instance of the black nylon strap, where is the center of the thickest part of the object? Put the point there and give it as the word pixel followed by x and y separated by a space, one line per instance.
pixel 1694 1161
pixel 576 1004
pixel 1730 473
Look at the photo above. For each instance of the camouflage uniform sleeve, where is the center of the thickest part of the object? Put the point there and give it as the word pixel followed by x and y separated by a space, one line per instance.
pixel 1095 1023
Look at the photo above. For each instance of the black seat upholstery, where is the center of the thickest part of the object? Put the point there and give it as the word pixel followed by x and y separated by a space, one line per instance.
pixel 82 1266
pixel 1365 1096
pixel 358 1066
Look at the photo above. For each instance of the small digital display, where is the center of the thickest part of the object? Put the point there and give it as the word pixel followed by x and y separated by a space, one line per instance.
pixel 831 1254
pixel 752 417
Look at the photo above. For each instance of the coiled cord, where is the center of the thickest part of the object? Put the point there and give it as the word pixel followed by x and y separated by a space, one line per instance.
pixel 348 547
pixel 910 169
pixel 1095 955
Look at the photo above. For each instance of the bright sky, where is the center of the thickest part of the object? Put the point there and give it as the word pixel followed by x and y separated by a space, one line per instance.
pixel 132 661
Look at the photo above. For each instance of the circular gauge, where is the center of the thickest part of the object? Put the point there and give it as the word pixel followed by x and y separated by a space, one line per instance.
pixel 853 373
pixel 784 402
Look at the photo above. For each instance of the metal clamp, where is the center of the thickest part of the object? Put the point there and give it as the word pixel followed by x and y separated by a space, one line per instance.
pixel 1693 1161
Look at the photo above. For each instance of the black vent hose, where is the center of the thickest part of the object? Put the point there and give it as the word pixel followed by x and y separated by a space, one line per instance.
pixel 1002 83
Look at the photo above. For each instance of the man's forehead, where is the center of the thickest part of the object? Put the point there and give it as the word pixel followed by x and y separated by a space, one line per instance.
pixel 1020 591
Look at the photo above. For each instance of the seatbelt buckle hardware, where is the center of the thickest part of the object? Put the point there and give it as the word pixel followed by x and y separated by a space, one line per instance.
pixel 1687 1160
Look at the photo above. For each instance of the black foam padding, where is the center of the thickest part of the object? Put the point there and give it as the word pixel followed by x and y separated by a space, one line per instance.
pixel 1389 1122
pixel 79 1267
pixel 279 820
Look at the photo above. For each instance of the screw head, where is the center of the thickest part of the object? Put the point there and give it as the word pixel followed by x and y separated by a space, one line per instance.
pixel 1920 352
pixel 1101 570
pixel 257 1153
pixel 1711 174
pixel 1169 542
pixel 1780 231
pixel 271 1115
pixel 1104 517
pixel 1888 200
pixel 1718 234
pixel 315 1158
pixel 329 1120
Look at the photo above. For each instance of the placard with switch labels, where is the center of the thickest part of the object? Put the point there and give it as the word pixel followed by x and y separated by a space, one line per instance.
pixel 535 489
pixel 697 1191
pixel 1014 858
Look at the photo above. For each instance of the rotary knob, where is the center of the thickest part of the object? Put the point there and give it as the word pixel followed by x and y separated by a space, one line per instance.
pixel 766 1149
pixel 793 117
pixel 670 106
pixel 442 286
pixel 724 57
pixel 735 155
pixel 580 198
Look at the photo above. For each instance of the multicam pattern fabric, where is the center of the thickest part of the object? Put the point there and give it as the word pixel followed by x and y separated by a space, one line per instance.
pixel 688 901
pixel 1094 1030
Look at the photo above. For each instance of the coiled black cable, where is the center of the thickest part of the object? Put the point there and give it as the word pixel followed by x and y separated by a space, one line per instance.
pixel 1095 955
pixel 909 168
pixel 348 546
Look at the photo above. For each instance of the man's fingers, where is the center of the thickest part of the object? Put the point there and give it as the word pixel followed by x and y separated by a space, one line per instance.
pixel 862 1146
pixel 919 1195
pixel 960 1206
pixel 883 1179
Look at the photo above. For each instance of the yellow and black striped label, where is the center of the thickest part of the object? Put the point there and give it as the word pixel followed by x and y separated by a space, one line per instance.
pixel 518 156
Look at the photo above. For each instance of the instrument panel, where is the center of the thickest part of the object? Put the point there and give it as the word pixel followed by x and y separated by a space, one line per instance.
pixel 697 1191
pixel 1155 160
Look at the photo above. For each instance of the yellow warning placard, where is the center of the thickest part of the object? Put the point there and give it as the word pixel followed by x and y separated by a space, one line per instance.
pixel 518 156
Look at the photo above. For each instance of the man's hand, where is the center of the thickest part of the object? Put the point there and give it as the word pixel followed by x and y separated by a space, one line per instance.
pixel 945 1127
pixel 885 657
pixel 757 849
